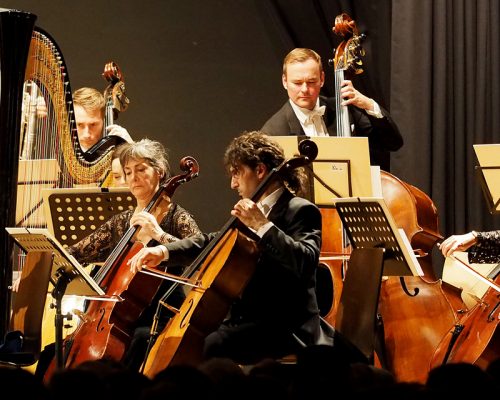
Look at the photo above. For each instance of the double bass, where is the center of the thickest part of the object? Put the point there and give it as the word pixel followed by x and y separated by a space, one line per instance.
pixel 107 326
pixel 219 274
pixel 334 251
pixel 416 311
pixel 116 101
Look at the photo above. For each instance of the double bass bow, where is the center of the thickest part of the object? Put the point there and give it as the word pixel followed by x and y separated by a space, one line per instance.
pixel 219 274
pixel 107 326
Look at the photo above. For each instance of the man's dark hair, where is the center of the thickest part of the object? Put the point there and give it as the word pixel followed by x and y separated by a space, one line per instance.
pixel 254 148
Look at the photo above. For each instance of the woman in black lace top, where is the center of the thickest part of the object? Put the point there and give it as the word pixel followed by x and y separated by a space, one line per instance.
pixel 145 167
pixel 484 247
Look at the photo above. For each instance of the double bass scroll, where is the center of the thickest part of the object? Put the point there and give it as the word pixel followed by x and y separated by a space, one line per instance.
pixel 116 101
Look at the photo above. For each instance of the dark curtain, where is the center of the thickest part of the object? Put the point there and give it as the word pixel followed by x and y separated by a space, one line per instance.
pixel 434 65
pixel 445 96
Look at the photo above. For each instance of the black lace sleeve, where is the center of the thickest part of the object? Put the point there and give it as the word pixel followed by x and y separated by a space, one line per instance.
pixel 179 224
pixel 487 249
pixel 97 246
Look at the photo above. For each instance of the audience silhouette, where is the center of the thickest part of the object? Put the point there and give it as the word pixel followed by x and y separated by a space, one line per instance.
pixel 317 370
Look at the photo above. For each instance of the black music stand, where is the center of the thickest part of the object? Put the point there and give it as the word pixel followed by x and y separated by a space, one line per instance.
pixel 379 249
pixel 67 275
pixel 74 213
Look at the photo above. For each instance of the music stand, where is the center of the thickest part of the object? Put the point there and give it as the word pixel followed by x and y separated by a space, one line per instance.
pixel 488 173
pixel 379 249
pixel 73 213
pixel 67 275
pixel 369 224
pixel 341 168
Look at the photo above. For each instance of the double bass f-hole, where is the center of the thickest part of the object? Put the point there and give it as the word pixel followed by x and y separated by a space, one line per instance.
pixel 405 288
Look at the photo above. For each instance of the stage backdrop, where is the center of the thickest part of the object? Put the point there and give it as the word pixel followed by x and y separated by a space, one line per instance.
pixel 199 73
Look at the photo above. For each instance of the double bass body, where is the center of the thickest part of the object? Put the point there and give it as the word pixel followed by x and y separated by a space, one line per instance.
pixel 417 315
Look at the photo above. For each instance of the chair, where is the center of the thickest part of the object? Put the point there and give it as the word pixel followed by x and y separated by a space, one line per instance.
pixel 22 344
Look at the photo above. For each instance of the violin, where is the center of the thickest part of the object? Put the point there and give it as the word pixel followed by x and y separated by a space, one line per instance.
pixel 219 275
pixel 107 326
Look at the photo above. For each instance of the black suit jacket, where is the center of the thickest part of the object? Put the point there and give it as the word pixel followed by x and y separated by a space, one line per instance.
pixel 383 134
pixel 281 292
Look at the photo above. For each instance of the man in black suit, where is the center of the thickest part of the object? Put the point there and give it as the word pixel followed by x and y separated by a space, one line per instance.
pixel 277 313
pixel 308 113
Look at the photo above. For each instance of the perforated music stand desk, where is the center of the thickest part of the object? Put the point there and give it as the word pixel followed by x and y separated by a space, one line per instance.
pixel 488 173
pixel 74 213
pixel 369 224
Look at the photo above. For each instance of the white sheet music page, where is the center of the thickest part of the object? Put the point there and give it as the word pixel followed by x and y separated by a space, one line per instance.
pixel 413 258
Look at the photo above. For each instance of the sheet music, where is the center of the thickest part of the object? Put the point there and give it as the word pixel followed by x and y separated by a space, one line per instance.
pixel 369 224
pixel 39 239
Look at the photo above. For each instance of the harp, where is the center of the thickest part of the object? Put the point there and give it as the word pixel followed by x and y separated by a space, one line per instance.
pixel 38 137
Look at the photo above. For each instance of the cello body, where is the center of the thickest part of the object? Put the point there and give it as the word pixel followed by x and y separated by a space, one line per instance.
pixel 107 327
pixel 220 279
pixel 414 323
pixel 475 338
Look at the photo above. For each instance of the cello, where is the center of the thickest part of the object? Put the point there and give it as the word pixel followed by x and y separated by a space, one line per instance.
pixel 219 274
pixel 474 338
pixel 107 326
